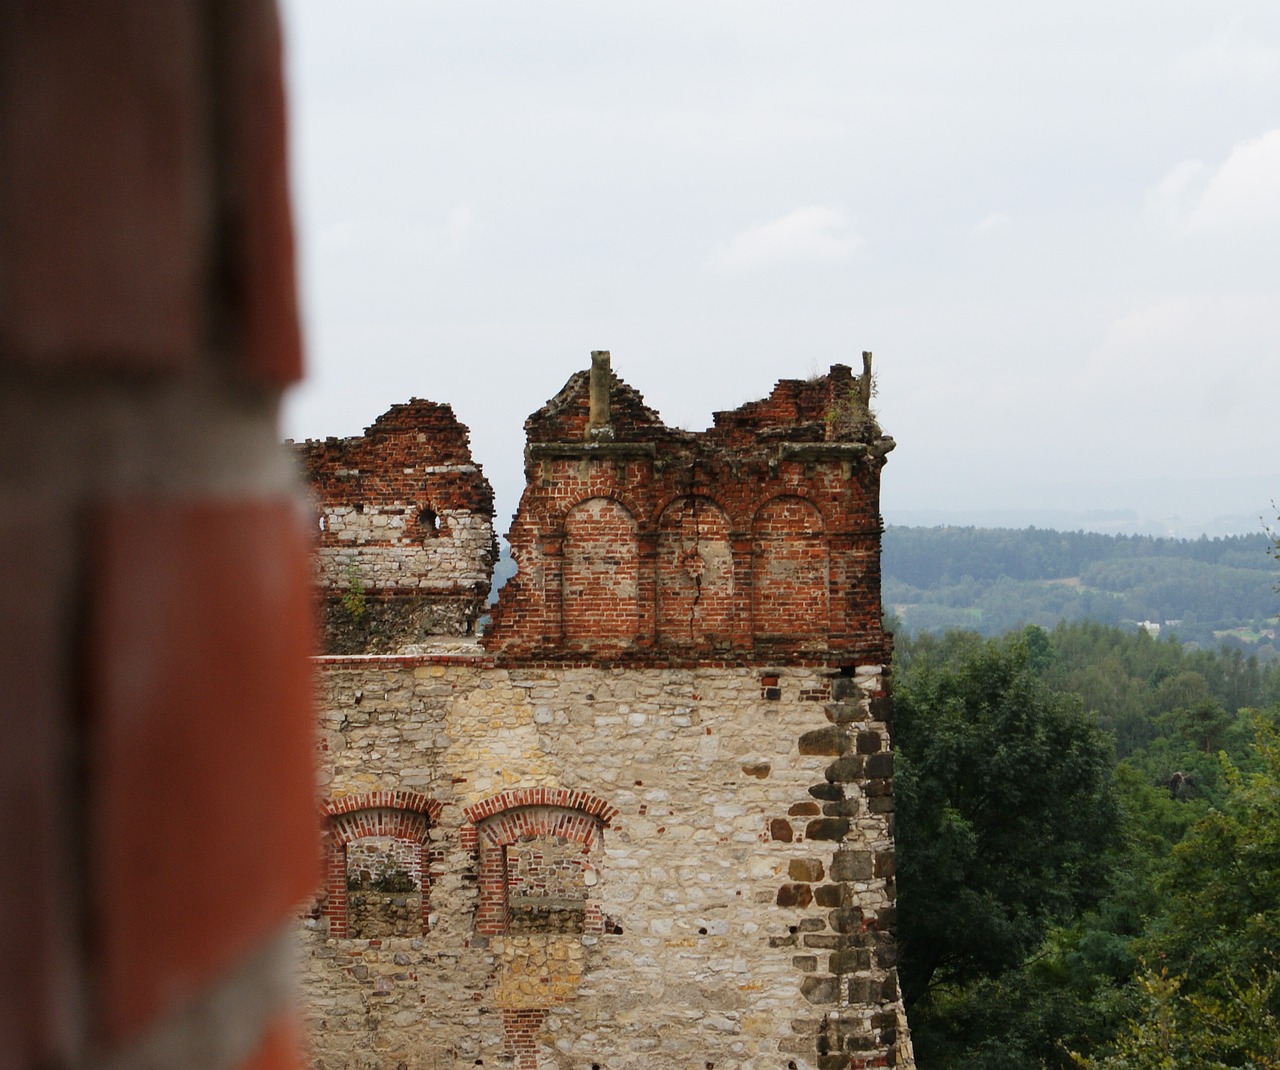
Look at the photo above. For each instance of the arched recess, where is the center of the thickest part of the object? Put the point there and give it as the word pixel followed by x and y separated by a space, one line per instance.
pixel 694 572
pixel 600 584
pixel 539 851
pixel 377 866
pixel 789 571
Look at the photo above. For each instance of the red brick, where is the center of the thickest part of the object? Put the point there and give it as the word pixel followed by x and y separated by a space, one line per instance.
pixel 758 537
pixel 36 566
pixel 255 219
pixel 278 1048
pixel 104 207
pixel 202 820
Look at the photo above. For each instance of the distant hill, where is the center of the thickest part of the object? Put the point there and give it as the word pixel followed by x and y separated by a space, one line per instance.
pixel 1220 590
pixel 1210 591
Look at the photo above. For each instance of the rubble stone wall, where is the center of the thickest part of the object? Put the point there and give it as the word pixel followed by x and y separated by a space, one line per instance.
pixel 734 828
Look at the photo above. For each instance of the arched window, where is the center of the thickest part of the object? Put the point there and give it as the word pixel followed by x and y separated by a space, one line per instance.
pixel 695 573
pixel 601 573
pixel 378 866
pixel 540 851
pixel 789 571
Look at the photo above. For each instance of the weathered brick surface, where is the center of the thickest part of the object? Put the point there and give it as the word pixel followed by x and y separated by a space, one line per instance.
pixel 404 542
pixel 199 721
pixel 104 206
pixel 757 537
pixel 157 814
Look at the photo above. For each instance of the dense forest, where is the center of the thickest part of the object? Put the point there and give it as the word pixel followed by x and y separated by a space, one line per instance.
pixel 1209 591
pixel 1088 851
pixel 1088 817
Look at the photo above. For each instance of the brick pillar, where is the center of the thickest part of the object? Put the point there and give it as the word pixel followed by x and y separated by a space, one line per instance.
pixel 647 589
pixel 551 548
pixel 491 915
pixel 335 881
pixel 742 547
pixel 842 583
pixel 156 771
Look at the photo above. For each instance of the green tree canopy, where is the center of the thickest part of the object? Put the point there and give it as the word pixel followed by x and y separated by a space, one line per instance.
pixel 1006 813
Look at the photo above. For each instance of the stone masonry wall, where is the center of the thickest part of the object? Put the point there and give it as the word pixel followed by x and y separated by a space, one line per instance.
pixel 404 542
pixel 736 826
pixel 649 817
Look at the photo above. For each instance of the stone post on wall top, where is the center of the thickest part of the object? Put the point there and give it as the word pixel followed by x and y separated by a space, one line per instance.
pixel 598 423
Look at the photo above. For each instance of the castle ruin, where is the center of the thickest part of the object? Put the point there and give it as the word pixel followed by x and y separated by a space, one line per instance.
pixel 646 820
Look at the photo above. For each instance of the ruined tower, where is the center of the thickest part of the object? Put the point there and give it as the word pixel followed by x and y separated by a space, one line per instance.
pixel 648 823
pixel 404 531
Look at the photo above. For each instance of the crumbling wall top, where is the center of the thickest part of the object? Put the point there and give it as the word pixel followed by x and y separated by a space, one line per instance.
pixel 405 545
pixel 757 537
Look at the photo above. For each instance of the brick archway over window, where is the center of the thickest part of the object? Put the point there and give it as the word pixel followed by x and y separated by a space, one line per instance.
pixel 496 824
pixel 405 816
pixel 601 573
pixel 790 572
pixel 694 572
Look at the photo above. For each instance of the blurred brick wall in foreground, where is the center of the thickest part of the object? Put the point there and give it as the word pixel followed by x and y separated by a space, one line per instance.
pixel 156 815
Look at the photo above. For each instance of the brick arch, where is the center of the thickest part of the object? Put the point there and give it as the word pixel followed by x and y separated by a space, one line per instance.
pixel 400 815
pixel 634 507
pixel 411 801
pixel 497 823
pixel 567 798
pixel 798 495
pixel 694 572
pixel 790 570
pixel 600 592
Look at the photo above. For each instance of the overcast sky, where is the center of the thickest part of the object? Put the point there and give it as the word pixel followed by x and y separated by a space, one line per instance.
pixel 1056 225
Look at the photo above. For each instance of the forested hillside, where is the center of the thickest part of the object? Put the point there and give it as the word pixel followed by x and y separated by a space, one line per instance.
pixel 1088 851
pixel 991 580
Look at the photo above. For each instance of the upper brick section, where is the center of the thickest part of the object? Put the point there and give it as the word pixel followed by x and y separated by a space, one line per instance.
pixel 755 539
pixel 405 545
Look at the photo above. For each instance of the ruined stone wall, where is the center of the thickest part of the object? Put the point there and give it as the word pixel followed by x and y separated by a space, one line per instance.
pixel 733 828
pixel 404 542
pixel 648 822
pixel 760 536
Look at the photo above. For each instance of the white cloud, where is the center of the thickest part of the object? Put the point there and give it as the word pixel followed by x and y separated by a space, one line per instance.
pixel 459 225
pixel 817 233
pixel 1241 196
pixel 1196 373
pixel 1244 193
pixel 1171 199
pixel 342 236
pixel 746 128
pixel 1232 54
pixel 993 222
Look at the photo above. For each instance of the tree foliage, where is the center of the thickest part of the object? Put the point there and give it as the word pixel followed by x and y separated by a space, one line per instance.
pixel 1005 812
pixel 1215 1000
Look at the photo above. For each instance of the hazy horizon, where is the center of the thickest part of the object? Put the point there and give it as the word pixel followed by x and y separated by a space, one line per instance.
pixel 1056 228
